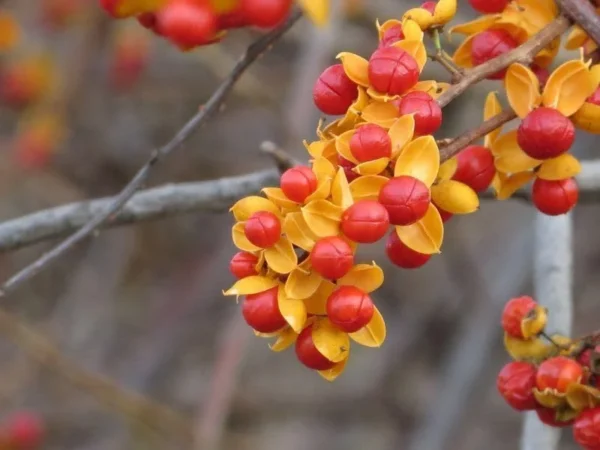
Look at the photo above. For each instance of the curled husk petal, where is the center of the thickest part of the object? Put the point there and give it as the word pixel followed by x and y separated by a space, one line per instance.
pixel 373 334
pixel 426 235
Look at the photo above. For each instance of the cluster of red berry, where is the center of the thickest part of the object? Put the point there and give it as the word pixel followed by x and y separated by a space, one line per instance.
pixel 547 131
pixel 193 23
pixel 21 431
pixel 558 379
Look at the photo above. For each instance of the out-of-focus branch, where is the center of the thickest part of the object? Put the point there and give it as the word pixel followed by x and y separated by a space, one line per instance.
pixel 584 14
pixel 135 407
pixel 553 289
pixel 183 198
pixel 213 105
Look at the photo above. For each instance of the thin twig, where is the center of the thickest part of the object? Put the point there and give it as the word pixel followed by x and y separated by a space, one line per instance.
pixel 253 52
pixel 443 60
pixel 584 14
pixel 456 145
pixel 524 54
pixel 283 161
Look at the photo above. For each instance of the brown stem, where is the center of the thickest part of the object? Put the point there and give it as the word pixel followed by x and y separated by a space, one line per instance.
pixel 467 138
pixel 447 63
pixel 583 14
pixel 523 54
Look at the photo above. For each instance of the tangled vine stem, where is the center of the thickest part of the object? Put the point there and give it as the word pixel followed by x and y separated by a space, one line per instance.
pixel 253 52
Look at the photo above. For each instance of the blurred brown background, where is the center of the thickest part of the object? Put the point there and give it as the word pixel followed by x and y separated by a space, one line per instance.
pixel 143 303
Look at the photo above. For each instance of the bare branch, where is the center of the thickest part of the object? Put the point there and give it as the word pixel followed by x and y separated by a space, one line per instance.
pixel 584 14
pixel 254 51
pixel 553 289
pixel 523 54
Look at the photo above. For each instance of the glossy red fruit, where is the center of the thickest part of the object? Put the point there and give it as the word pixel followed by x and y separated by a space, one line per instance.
pixel 488 45
pixel 347 166
pixel 541 74
pixel 265 13
pixel 555 197
pixel 263 229
pixel 515 310
pixel 350 308
pixel 392 35
pixel 489 6
pixel 585 358
pixel 429 6
pixel 307 353
pixel 406 199
pixel 370 142
pixel 558 373
pixel 365 222
pixel 403 256
pixel 24 431
pixel 548 417
pixel 475 167
pixel 232 19
pixel 427 112
pixel 334 92
pixel 261 311
pixel 187 24
pixel 586 429
pixel 332 257
pixel 298 183
pixel 545 133
pixel 393 70
pixel 243 264
pixel 515 383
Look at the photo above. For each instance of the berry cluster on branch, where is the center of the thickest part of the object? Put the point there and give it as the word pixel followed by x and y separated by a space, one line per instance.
pixel 378 167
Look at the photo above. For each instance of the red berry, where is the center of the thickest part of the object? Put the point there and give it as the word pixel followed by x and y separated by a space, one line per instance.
pixel 403 256
pixel 24 431
pixel 263 229
pixel 586 429
pixel 332 257
pixel 347 166
pixel 429 6
pixel 187 24
pixel 334 92
pixel 515 383
pixel 427 112
pixel 515 310
pixel 370 142
pixel 232 19
pixel 261 311
pixel 366 221
pixel 489 6
pixel 149 21
pixel 393 70
pixel 298 183
pixel 548 416
pixel 406 199
pixel 594 98
pixel 308 354
pixel 585 358
pixel 545 133
pixel 392 35
pixel 475 167
pixel 541 73
pixel 490 44
pixel 558 373
pixel 555 197
pixel 350 308
pixel 243 264
pixel 265 13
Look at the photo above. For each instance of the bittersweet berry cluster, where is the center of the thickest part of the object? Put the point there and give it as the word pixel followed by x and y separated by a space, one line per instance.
pixel 193 23
pixel 378 167
pixel 22 431
pixel 553 375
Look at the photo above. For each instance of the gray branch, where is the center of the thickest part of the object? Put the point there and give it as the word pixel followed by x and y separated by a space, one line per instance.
pixel 176 199
pixel 553 282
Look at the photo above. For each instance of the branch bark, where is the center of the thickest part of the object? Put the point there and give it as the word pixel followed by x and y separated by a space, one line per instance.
pixel 584 14
pixel 254 51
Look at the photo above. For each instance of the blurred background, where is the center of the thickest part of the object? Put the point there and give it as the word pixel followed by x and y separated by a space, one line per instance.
pixel 142 304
